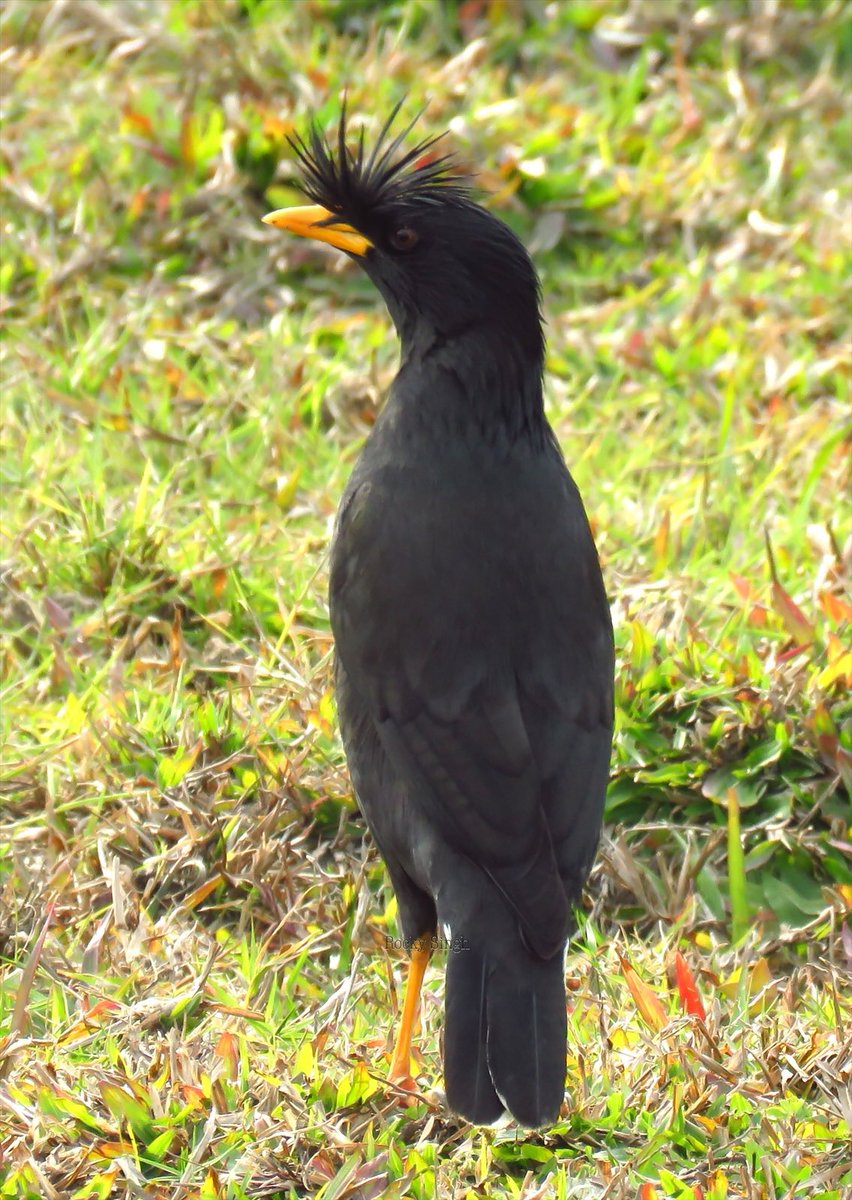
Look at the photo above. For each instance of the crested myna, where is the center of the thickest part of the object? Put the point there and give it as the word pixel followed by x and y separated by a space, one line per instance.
pixel 473 637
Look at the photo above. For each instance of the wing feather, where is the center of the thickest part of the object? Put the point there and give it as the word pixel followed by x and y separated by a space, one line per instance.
pixel 496 723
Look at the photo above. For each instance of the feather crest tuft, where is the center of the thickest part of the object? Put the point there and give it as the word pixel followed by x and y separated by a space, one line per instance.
pixel 353 184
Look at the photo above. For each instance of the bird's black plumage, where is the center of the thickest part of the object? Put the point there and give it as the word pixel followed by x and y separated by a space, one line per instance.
pixel 473 637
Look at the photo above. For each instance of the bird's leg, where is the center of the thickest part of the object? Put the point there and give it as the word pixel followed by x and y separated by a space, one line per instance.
pixel 401 1062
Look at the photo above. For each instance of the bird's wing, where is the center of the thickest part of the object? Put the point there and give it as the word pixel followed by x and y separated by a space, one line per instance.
pixel 454 673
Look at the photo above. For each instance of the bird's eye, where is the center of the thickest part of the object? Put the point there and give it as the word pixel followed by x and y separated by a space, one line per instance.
pixel 404 238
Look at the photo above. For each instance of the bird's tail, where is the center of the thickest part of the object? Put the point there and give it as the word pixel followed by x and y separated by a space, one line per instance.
pixel 505 1029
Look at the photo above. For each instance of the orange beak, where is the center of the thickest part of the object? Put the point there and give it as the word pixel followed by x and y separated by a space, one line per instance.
pixel 314 221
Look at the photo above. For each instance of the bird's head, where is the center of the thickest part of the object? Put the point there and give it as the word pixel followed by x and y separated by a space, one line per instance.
pixel 445 266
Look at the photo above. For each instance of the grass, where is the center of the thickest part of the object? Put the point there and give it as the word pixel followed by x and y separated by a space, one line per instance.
pixel 197 966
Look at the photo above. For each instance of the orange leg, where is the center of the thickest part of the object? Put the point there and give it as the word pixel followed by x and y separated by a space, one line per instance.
pixel 401 1062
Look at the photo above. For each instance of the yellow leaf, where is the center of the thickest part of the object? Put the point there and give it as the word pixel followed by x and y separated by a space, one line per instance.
pixel 718 1186
pixel 646 1000
pixel 304 1064
pixel 286 487
pixel 759 977
pixel 839 669
pixel 759 980
pixel 277 129
pixel 202 892
pixel 624 1039
pixel 661 541
pixel 74 713
pixel 108 1150
pixel 187 140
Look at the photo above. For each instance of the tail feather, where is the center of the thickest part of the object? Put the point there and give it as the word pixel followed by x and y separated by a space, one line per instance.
pixel 527 1032
pixel 505 1030
pixel 467 1078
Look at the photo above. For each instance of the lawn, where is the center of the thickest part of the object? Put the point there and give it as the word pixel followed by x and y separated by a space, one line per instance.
pixel 198 969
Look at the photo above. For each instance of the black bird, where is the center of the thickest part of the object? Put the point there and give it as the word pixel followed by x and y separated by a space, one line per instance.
pixel 473 637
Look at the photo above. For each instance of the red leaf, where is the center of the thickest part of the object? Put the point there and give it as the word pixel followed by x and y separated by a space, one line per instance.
pixel 689 114
pixel 57 616
pixel 687 988
pixel 795 621
pixel 744 589
pixel 139 121
pixel 792 652
pixel 835 608
pixel 757 616
pixel 635 349
pixel 102 1010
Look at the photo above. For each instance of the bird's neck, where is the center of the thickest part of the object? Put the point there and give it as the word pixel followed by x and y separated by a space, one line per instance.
pixel 478 385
